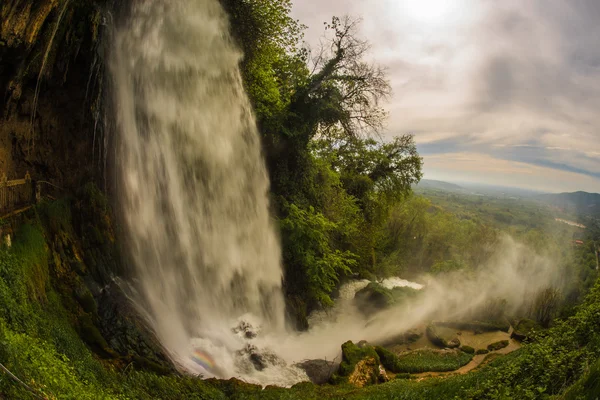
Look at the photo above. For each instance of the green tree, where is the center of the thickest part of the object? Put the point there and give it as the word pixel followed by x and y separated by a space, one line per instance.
pixel 314 266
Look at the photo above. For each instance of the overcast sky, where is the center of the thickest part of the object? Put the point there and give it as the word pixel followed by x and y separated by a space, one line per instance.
pixel 503 92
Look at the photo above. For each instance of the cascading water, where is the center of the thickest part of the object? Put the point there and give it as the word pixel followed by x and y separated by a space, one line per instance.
pixel 194 184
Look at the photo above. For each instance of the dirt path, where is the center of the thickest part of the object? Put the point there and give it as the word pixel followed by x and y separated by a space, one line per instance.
pixel 477 361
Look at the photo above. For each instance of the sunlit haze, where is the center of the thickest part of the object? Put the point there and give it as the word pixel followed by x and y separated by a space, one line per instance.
pixel 496 92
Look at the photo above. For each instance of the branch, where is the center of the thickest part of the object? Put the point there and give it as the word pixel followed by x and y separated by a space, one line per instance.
pixel 29 389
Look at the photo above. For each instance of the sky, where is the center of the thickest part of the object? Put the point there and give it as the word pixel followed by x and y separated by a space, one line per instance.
pixel 498 92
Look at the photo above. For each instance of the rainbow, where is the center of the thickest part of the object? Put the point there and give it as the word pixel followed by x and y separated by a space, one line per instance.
pixel 203 359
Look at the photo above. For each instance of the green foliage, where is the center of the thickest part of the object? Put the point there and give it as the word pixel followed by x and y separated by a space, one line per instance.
pixel 468 349
pixel 370 168
pixel 274 64
pixel 420 237
pixel 317 267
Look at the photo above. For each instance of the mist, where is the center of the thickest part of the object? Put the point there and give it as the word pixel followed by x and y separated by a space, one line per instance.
pixel 514 272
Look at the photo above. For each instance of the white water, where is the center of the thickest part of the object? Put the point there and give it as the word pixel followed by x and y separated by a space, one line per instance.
pixel 393 282
pixel 194 183
pixel 194 196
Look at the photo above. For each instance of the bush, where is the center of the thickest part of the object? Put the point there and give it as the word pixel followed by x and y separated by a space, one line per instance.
pixel 468 349
pixel 482 351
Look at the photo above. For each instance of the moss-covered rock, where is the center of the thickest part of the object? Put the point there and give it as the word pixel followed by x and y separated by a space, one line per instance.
pixel 525 329
pixel 498 345
pixel 319 371
pixel 476 326
pixel 359 366
pixel 375 297
pixel 92 336
pixel 425 360
pixel 435 336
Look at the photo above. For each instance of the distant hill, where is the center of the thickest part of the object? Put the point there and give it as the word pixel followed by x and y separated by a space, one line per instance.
pixel 581 203
pixel 440 185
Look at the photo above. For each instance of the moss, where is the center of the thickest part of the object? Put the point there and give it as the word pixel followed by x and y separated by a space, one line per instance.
pixel 30 249
pixel 477 326
pixel 56 216
pixel 526 329
pixel 352 355
pixel 498 345
pixel 91 335
pixel 373 297
pixel 86 300
pixel 423 360
pixel 468 349
pixel 149 365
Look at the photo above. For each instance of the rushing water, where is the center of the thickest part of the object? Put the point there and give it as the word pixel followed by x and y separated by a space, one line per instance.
pixel 194 183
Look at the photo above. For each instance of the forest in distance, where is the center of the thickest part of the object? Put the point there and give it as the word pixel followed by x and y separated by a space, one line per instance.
pixel 382 283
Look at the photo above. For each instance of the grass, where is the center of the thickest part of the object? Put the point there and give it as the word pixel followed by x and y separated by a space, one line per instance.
pixel 425 360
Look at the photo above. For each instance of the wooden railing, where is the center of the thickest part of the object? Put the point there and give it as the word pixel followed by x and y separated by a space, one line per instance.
pixel 16 194
pixel 21 194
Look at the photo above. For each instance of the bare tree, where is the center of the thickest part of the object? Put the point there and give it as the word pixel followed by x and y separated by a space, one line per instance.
pixel 354 86
pixel 545 305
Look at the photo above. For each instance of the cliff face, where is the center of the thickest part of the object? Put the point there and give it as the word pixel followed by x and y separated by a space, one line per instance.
pixel 51 64
pixel 51 125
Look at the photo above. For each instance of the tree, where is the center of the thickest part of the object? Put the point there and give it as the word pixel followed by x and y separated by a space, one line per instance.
pixel 367 165
pixel 274 62
pixel 349 88
pixel 314 266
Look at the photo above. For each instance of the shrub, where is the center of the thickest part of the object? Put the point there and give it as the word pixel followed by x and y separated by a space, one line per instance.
pixel 468 349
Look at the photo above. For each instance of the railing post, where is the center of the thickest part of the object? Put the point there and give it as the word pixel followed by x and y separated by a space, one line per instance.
pixel 3 192
pixel 28 189
pixel 38 192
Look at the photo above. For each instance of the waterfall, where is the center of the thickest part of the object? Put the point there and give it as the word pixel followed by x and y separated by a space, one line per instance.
pixel 194 188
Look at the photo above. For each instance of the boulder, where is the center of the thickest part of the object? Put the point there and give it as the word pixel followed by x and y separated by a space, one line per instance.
pixel 360 366
pixel 434 335
pixel 319 371
pixel 524 330
pixel 375 297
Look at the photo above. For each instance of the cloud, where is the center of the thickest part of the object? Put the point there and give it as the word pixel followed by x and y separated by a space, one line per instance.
pixel 517 81
pixel 481 167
